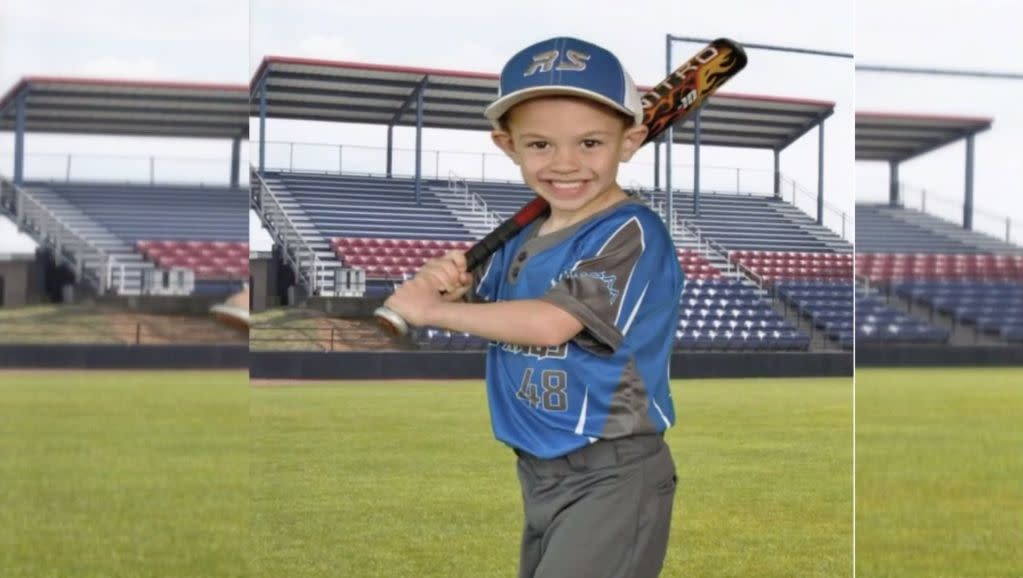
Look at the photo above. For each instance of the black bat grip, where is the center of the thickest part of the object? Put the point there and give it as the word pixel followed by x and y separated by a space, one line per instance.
pixel 475 256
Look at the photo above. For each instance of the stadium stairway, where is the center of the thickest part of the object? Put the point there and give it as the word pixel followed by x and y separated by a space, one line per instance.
pixel 99 236
pixel 819 340
pixel 305 226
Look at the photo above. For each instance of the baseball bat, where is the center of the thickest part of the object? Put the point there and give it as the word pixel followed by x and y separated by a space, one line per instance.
pixel 678 95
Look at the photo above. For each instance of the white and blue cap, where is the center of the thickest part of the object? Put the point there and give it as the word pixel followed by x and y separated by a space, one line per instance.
pixel 566 66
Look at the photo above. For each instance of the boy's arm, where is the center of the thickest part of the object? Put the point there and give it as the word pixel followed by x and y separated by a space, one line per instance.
pixel 521 322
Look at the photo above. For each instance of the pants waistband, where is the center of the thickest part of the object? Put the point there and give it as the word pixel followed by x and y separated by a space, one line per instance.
pixel 599 454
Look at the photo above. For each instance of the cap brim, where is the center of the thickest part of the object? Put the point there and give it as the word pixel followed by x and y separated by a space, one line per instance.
pixel 500 106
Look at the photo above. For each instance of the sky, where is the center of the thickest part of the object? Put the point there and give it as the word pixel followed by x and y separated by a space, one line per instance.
pixel 224 41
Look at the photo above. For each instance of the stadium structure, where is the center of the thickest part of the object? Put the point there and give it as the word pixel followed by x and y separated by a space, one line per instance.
pixel 155 243
pixel 764 279
pixel 930 291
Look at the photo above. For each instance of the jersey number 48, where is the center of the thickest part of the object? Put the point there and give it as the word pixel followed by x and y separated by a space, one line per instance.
pixel 551 394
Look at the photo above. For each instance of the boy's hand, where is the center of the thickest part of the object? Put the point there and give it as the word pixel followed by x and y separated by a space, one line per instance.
pixel 447 275
pixel 440 280
pixel 414 300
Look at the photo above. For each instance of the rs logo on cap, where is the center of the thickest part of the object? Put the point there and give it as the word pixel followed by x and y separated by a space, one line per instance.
pixel 545 61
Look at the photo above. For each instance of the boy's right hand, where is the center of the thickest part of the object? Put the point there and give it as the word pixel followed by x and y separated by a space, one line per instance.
pixel 447 275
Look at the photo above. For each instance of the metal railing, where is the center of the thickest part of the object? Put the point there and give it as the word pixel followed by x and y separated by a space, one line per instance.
pixel 833 218
pixel 331 158
pixel 473 201
pixel 680 227
pixel 135 169
pixel 297 337
pixel 302 257
pixel 949 209
pixel 93 329
pixel 86 259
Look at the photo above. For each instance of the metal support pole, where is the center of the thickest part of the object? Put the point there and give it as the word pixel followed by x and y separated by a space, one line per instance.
pixel 236 147
pixel 696 163
pixel 340 159
pixel 390 149
pixel 262 127
pixel 419 142
pixel 777 174
pixel 968 199
pixel 893 183
pixel 19 137
pixel 820 172
pixel 657 166
pixel 152 170
pixel 669 137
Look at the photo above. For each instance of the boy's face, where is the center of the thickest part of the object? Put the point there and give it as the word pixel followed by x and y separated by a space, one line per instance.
pixel 568 150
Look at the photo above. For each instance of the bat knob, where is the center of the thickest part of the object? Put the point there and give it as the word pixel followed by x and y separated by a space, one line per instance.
pixel 391 321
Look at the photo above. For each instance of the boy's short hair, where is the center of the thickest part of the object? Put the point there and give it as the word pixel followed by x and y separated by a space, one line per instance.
pixel 568 67
pixel 628 121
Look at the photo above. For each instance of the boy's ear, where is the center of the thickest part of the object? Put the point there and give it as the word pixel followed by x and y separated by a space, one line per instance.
pixel 503 140
pixel 633 139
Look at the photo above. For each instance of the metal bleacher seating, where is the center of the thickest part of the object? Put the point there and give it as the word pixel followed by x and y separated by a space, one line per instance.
pixel 204 227
pixel 362 206
pixel 895 229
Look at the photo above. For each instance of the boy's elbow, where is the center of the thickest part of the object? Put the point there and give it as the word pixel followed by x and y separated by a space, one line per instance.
pixel 558 328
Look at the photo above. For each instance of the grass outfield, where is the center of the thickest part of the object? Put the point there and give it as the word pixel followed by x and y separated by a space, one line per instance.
pixel 405 480
pixel 111 474
pixel 939 473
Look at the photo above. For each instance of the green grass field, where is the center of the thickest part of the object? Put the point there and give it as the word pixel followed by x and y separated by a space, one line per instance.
pixel 405 480
pixel 123 474
pixel 109 474
pixel 939 473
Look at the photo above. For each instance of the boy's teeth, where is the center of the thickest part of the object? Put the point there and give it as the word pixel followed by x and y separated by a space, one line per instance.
pixel 565 185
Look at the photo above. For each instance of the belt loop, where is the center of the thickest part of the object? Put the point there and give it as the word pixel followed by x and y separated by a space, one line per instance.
pixel 576 460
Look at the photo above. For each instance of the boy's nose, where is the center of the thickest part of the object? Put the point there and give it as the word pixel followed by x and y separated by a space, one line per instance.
pixel 564 159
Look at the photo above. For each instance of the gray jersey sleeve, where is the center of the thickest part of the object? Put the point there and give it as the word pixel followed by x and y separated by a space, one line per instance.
pixel 593 290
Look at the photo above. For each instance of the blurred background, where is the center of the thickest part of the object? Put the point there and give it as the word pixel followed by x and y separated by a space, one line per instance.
pixel 123 402
pixel 939 307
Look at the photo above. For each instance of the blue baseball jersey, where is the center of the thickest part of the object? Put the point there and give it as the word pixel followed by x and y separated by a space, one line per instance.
pixel 617 272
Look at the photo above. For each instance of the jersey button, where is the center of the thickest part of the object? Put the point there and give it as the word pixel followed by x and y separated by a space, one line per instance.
pixel 514 272
pixel 522 256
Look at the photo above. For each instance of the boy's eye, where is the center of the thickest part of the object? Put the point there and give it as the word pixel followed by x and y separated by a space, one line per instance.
pixel 537 145
pixel 590 143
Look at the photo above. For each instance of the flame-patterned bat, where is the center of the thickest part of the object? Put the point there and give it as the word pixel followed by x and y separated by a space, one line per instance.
pixel 677 96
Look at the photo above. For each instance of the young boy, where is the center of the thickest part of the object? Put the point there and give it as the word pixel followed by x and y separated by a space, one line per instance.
pixel 581 309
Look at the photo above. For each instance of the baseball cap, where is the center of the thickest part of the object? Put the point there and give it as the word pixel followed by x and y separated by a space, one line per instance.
pixel 566 66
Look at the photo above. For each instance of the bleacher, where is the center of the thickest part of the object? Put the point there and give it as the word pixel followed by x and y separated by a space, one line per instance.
pixel 888 229
pixel 993 307
pixel 817 285
pixel 204 225
pixel 344 206
pixel 878 323
pixel 179 213
pixel 981 290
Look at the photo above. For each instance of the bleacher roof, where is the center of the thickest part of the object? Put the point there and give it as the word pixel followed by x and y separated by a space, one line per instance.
pixel 896 137
pixel 334 91
pixel 124 107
